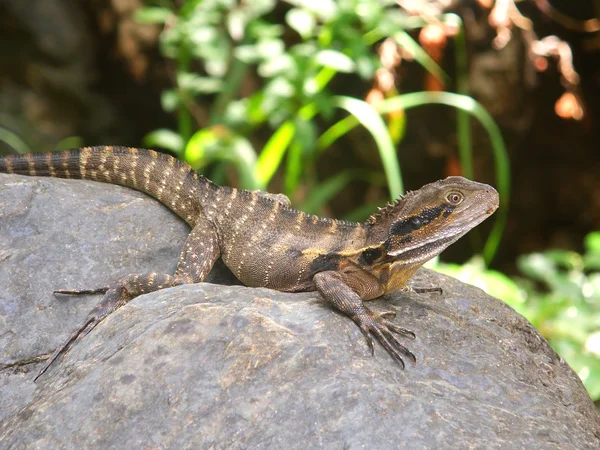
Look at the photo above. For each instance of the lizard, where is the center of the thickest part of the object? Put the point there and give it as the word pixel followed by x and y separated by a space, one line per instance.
pixel 267 243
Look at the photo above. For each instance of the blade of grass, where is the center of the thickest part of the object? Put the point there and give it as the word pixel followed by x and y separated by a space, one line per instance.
pixel 273 151
pixel 373 122
pixel 13 140
pixel 403 39
pixel 235 75
pixel 244 157
pixel 463 120
pixel 293 169
pixel 272 154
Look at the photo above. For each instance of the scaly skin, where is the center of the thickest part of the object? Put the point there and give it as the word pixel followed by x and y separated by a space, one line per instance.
pixel 267 243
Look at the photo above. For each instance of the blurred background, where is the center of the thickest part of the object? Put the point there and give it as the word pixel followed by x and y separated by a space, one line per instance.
pixel 343 106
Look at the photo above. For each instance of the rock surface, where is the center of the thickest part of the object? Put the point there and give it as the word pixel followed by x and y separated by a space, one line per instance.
pixel 232 367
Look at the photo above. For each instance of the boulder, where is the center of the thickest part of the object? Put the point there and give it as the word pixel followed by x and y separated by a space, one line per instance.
pixel 226 366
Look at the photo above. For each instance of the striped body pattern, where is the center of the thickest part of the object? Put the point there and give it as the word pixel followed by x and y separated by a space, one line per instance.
pixel 266 243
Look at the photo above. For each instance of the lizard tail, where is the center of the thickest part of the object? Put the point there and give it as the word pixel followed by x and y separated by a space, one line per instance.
pixel 173 183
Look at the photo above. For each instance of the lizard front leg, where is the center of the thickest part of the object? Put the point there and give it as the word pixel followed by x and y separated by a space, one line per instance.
pixel 343 289
pixel 199 254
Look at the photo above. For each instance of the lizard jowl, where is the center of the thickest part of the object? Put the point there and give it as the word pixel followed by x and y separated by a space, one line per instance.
pixel 267 243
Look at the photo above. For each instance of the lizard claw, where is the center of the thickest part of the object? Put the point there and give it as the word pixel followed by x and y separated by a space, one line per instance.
pixel 423 290
pixel 101 290
pixel 93 319
pixel 91 323
pixel 379 325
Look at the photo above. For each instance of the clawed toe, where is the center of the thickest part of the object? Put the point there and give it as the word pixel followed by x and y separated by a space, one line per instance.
pixel 378 324
pixel 74 338
pixel 101 290
pixel 388 315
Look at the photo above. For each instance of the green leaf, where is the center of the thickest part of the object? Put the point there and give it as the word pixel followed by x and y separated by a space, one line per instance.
pixel 169 99
pixel 592 261
pixel 203 35
pixel 365 67
pixel 270 48
pixel 255 113
pixel 14 140
pixel 152 15
pixel 166 139
pixel 244 157
pixel 236 23
pixel 68 142
pixel 592 242
pixel 272 154
pixel 404 40
pixel 279 87
pixel 306 134
pixel 491 281
pixel 281 64
pixel 236 113
pixel 197 84
pixel 336 60
pixel 200 148
pixel 247 53
pixel 324 10
pixel 261 29
pixel 373 122
pixel 275 148
pixel 301 21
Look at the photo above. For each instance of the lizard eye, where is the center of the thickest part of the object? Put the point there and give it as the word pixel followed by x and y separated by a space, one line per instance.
pixel 416 222
pixel 455 198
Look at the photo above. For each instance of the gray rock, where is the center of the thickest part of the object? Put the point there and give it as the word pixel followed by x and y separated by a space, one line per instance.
pixel 232 367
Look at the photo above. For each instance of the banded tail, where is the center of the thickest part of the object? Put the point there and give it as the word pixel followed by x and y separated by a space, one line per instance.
pixel 173 183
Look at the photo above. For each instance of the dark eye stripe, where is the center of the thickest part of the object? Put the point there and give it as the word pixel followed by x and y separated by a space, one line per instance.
pixel 426 216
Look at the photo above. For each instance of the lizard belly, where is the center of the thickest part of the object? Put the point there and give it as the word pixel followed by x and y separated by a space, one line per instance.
pixel 274 267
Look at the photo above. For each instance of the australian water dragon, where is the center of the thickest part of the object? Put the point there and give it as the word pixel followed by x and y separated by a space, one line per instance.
pixel 266 243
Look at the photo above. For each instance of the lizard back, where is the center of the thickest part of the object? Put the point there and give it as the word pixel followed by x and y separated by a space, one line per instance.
pixel 267 243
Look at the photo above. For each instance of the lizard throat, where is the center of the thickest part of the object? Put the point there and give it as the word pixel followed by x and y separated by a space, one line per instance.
pixel 419 255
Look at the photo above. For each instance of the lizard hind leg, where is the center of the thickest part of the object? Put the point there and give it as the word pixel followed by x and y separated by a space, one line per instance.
pixel 120 293
pixel 196 260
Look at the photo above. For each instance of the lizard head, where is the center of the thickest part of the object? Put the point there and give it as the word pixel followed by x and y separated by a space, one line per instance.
pixel 421 224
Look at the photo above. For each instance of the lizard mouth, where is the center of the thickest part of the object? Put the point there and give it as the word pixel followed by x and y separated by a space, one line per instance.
pixel 491 210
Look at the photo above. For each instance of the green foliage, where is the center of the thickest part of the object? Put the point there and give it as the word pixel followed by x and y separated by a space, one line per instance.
pixel 233 56
pixel 564 304
pixel 13 140
pixel 559 295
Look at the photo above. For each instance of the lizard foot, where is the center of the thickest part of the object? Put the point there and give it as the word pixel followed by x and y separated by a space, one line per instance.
pixel 380 325
pixel 123 291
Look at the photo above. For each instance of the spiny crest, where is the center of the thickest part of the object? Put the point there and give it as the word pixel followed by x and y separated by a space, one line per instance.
pixel 390 208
